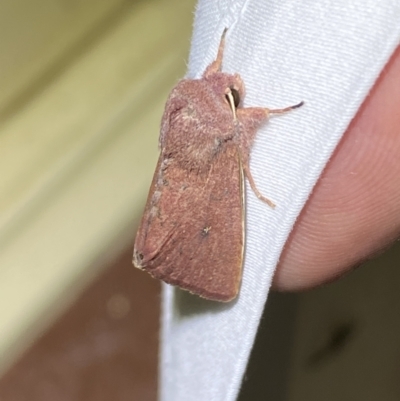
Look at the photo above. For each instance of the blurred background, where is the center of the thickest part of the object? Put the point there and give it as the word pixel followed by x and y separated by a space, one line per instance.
pixel 82 89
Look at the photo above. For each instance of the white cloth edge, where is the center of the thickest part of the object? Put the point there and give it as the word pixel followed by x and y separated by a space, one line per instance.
pixel 350 45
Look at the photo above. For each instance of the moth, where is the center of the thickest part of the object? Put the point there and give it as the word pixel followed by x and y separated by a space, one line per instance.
pixel 192 231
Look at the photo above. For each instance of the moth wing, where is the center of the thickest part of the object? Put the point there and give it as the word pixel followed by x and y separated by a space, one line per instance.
pixel 192 232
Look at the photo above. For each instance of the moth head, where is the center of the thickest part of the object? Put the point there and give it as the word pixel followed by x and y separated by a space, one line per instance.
pixel 228 88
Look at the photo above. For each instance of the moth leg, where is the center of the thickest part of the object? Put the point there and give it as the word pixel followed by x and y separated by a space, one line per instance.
pixel 255 116
pixel 251 118
pixel 247 173
pixel 284 110
pixel 215 66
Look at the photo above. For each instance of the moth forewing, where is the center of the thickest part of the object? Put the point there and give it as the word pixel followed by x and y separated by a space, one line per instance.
pixel 140 255
pixel 243 198
pixel 189 234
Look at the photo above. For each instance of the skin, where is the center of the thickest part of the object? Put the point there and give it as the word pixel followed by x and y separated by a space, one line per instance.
pixel 354 211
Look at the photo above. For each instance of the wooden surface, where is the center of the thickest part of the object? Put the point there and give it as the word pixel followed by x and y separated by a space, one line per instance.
pixel 104 348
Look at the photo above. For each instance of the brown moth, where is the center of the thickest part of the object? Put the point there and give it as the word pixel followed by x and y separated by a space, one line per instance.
pixel 192 230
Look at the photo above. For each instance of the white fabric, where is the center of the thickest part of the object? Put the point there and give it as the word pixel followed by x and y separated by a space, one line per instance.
pixel 327 53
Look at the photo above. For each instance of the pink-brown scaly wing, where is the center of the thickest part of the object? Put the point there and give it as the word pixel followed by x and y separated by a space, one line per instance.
pixel 191 234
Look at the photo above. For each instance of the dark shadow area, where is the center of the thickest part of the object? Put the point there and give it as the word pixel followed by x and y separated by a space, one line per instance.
pixel 338 338
pixel 187 304
pixel 267 373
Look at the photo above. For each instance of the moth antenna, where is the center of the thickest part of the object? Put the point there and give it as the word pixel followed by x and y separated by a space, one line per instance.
pixel 215 66
pixel 221 48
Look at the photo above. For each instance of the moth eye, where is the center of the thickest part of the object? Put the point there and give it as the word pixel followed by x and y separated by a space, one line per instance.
pixel 233 95
pixel 236 97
